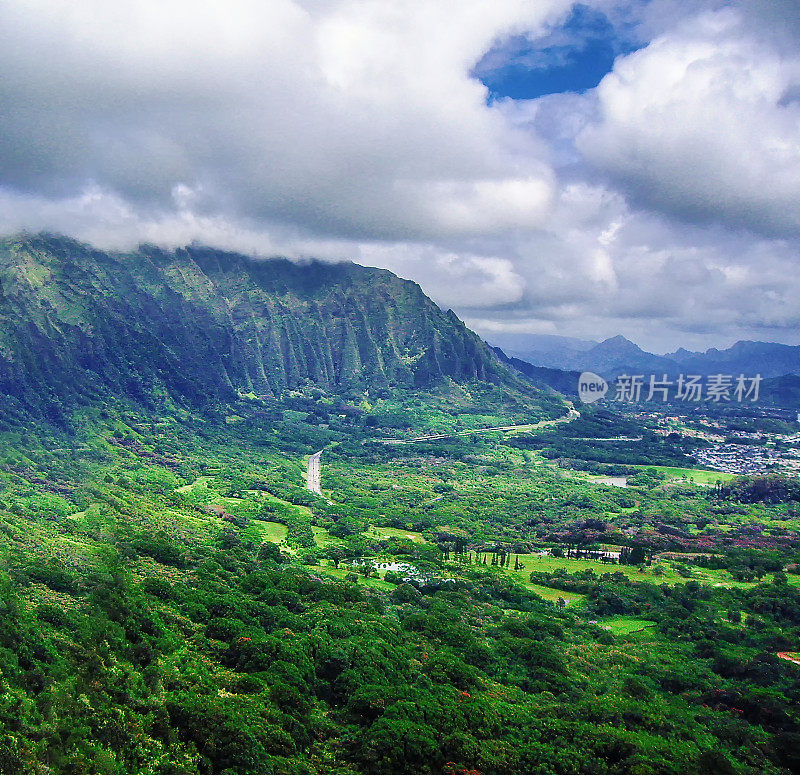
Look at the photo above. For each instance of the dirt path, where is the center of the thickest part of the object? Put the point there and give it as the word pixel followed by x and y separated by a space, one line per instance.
pixel 787 655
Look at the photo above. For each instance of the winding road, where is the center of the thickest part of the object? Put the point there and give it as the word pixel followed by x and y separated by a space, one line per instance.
pixel 573 415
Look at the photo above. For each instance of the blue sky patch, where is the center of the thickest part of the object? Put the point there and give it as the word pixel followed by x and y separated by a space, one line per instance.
pixel 573 57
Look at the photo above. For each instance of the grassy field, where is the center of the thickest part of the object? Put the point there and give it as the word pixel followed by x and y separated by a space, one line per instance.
pixel 696 475
pixel 269 531
pixel 201 481
pixel 373 582
pixel 625 625
pixel 658 573
pixel 548 593
pixel 323 538
pixel 551 564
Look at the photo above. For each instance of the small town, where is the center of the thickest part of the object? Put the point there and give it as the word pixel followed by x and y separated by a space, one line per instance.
pixel 726 448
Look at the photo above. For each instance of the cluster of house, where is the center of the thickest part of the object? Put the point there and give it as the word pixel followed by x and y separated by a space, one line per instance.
pixel 392 567
pixel 737 458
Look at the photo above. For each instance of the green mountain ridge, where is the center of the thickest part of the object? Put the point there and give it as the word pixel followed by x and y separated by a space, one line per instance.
pixel 203 325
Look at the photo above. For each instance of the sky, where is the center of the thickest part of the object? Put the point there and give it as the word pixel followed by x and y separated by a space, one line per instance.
pixel 581 169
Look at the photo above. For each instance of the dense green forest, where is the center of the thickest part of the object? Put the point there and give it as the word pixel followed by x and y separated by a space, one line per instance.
pixel 175 601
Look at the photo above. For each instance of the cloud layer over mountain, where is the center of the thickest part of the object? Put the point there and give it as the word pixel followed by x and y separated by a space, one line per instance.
pixel 663 204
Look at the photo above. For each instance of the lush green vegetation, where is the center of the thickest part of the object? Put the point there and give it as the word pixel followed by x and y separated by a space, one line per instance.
pixel 625 625
pixel 174 601
pixel 199 326
pixel 697 475
pixel 603 437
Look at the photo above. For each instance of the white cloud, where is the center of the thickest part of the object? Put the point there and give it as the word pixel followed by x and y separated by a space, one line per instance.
pixel 356 117
pixel 606 268
pixel 699 123
pixel 450 277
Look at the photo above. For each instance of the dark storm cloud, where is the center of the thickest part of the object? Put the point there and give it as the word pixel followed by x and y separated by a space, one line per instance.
pixel 664 202
pixel 267 111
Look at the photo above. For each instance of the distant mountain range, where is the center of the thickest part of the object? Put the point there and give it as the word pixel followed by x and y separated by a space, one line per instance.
pixel 619 355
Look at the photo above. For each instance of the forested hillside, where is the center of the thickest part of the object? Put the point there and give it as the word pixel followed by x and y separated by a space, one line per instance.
pixel 203 326
pixel 174 602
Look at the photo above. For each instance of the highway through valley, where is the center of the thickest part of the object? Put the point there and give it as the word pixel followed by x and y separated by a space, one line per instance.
pixel 314 480
pixel 573 415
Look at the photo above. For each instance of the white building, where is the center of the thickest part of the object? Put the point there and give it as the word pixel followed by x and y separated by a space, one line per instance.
pixel 394 567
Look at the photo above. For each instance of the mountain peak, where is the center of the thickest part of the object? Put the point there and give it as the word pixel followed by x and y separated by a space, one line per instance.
pixel 617 354
pixel 619 338
pixel 618 343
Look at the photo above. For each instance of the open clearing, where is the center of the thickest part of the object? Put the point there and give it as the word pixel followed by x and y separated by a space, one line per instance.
pixel 625 625
pixel 696 475
pixel 269 531
pixel 341 573
pixel 551 594
pixel 657 573
pixel 201 481
pixel 322 537
pixel 393 532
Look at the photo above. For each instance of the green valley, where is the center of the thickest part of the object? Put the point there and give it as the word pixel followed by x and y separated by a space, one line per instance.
pixel 175 601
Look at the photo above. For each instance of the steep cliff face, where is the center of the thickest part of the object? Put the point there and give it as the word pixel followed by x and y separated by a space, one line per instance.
pixel 204 325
